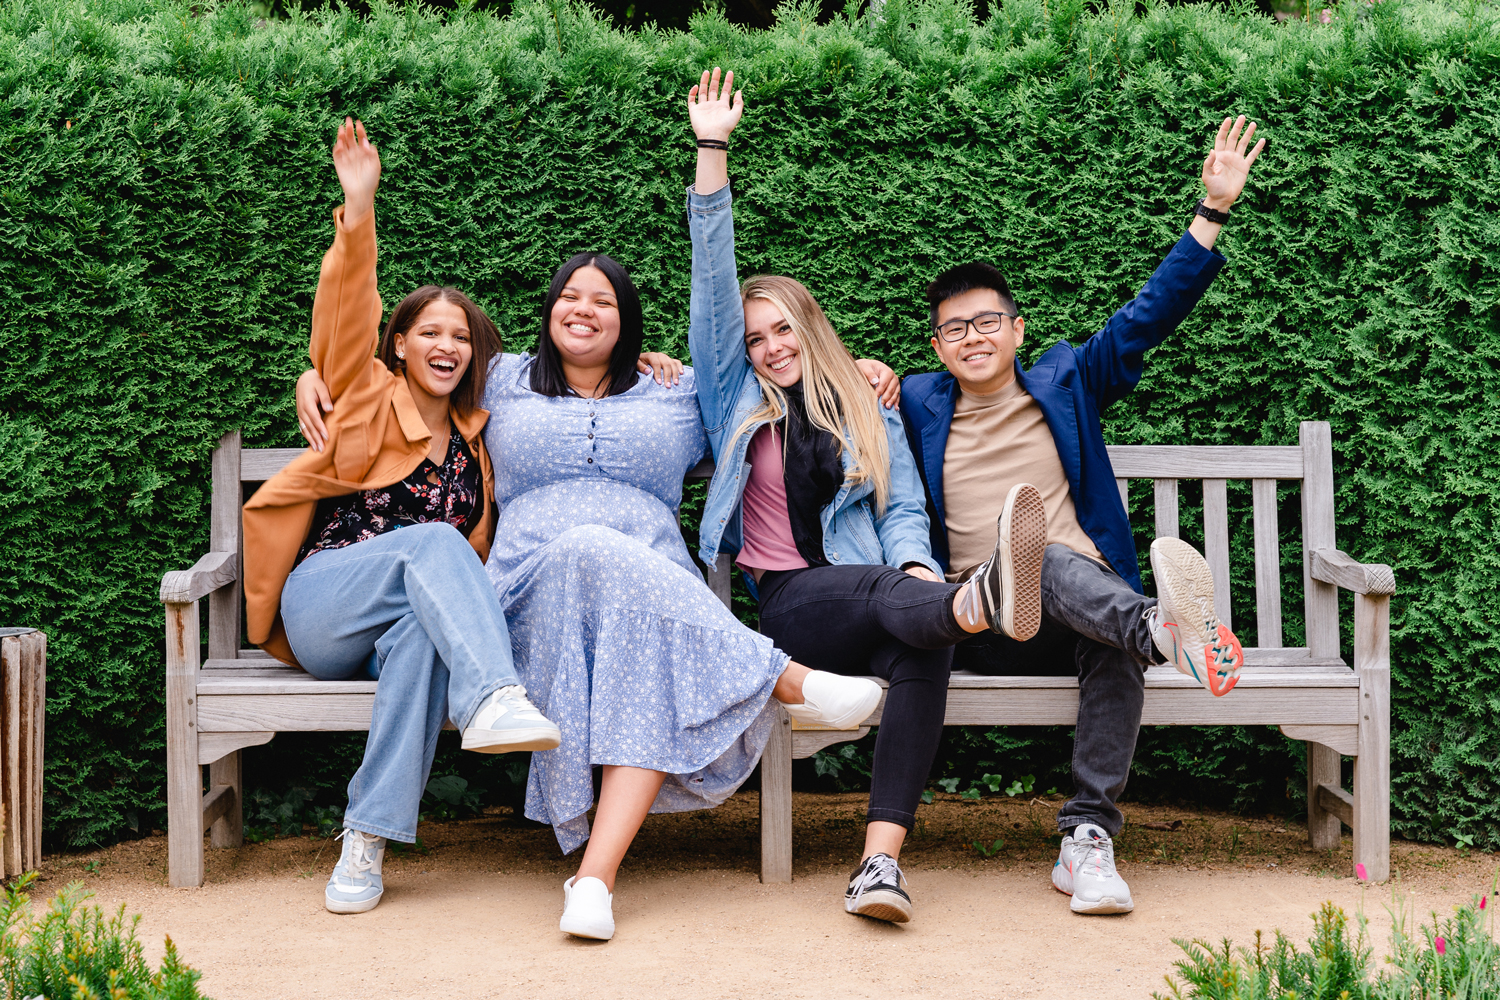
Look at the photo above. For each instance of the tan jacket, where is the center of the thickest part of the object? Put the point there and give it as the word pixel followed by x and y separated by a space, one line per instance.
pixel 376 437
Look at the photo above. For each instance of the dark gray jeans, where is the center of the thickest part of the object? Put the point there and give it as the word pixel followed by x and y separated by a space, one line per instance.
pixel 1095 625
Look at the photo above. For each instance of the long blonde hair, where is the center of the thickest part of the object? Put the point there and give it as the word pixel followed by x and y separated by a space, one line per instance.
pixel 838 398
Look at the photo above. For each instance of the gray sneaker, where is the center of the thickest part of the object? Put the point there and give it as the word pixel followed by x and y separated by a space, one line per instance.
pixel 1085 870
pixel 506 721
pixel 1007 588
pixel 355 885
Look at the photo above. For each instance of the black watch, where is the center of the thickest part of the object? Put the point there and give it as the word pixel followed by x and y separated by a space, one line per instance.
pixel 1213 215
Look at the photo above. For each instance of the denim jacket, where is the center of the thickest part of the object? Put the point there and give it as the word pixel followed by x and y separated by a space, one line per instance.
pixel 728 392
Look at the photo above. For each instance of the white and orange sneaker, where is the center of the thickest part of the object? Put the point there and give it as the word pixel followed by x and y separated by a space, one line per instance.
pixel 1185 627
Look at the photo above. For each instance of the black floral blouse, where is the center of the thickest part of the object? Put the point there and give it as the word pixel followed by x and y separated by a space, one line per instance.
pixel 456 498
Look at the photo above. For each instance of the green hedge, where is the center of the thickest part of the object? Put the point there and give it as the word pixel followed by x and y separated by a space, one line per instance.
pixel 164 200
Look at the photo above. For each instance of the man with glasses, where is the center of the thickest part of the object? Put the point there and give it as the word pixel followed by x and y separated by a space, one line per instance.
pixel 986 425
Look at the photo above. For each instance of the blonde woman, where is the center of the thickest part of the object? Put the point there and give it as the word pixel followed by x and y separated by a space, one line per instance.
pixel 828 519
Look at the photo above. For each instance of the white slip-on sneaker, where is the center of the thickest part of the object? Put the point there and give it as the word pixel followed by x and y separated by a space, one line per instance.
pixel 834 701
pixel 1186 628
pixel 1085 870
pixel 588 909
pixel 1007 588
pixel 877 889
pixel 507 721
pixel 356 884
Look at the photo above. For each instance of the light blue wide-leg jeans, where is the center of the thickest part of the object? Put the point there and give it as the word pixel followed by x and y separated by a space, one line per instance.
pixel 419 600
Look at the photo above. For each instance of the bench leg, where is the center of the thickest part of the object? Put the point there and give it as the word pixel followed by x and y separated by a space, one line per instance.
pixel 229 829
pixel 184 774
pixel 1324 767
pixel 1372 768
pixel 776 802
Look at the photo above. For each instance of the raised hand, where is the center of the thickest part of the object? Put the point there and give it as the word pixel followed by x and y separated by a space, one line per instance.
pixel 710 109
pixel 1228 166
pixel 358 167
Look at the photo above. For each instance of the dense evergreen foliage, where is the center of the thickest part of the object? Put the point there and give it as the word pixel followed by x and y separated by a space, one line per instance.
pixel 165 191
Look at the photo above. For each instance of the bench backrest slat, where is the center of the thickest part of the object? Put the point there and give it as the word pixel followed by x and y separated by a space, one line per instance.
pixel 1311 462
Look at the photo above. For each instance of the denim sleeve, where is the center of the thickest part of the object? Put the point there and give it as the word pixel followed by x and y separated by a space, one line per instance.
pixel 1111 359
pixel 903 529
pixel 716 317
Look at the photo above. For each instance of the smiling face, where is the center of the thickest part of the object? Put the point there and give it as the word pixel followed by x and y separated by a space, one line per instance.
pixel 771 344
pixel 436 348
pixel 982 363
pixel 585 321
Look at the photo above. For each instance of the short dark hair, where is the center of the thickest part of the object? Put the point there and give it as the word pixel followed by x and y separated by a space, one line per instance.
pixel 484 338
pixel 965 278
pixel 547 373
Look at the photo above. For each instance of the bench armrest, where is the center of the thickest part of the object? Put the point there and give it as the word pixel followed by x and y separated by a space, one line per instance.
pixel 1337 568
pixel 215 570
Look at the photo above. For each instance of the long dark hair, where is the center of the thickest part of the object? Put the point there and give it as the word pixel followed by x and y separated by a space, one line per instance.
pixel 547 372
pixel 484 339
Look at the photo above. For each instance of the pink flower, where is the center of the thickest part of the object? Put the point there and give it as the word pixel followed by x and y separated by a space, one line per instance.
pixel 1359 872
pixel 1483 900
pixel 1441 945
pixel 1326 17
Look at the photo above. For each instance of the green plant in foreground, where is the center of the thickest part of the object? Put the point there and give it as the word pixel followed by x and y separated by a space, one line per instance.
pixel 73 952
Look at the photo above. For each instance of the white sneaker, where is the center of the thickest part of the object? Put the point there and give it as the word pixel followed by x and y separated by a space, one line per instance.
pixel 1186 628
pixel 834 701
pixel 507 721
pixel 588 909
pixel 1085 870
pixel 356 884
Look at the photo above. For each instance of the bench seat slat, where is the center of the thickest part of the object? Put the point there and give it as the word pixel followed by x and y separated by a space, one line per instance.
pixel 1160 461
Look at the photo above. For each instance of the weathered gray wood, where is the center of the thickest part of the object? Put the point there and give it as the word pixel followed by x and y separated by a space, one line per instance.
pixel 1321 599
pixel 1216 542
pixel 214 746
pixel 28 825
pixel 14 842
pixel 776 801
pixel 276 684
pixel 1166 508
pixel 256 654
pixel 1323 768
pixel 259 464
pixel 331 713
pixel 703 470
pixel 39 738
pixel 224 536
pixel 1343 738
pixel 184 776
pixel 1267 564
pixel 1158 461
pixel 1337 568
pixel 805 743
pixel 1372 768
pixel 217 804
pixel 228 827
pixel 718 580
pixel 207 575
pixel 1123 485
pixel 1338 803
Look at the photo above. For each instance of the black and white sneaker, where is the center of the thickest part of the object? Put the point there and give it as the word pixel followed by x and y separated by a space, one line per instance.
pixel 1007 588
pixel 876 890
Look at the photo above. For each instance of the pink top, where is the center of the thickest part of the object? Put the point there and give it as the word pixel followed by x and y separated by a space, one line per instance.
pixel 767 527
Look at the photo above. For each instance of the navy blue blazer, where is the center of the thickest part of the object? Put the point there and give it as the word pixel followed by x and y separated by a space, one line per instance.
pixel 1073 385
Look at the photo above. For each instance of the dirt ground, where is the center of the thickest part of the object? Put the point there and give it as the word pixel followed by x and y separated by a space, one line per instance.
pixel 473 911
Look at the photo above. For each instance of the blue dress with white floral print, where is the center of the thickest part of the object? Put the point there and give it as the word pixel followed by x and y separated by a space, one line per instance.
pixel 615 635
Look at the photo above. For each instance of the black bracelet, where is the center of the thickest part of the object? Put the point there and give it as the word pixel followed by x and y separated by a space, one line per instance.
pixel 1211 214
pixel 713 144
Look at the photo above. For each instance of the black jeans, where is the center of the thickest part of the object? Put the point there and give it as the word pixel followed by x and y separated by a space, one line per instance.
pixel 1095 625
pixel 882 621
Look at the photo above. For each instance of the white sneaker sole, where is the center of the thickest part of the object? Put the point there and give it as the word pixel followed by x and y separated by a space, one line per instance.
pixel 1184 577
pixel 349 905
pixel 1105 905
pixel 1023 545
pixel 511 740
pixel 891 907
pixel 586 927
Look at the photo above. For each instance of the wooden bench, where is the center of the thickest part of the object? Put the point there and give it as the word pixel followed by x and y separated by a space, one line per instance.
pixel 240 698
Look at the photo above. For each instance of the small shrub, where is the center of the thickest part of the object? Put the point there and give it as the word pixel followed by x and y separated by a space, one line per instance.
pixel 73 952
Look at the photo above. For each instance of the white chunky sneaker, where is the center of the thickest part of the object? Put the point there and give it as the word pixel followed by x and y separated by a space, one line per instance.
pixel 1186 629
pixel 1007 588
pixel 588 909
pixel 1085 870
pixel 506 721
pixel 835 702
pixel 356 884
pixel 878 889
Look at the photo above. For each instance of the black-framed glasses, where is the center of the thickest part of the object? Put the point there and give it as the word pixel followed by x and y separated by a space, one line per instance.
pixel 986 322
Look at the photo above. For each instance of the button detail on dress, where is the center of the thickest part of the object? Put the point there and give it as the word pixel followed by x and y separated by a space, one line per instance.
pixel 591 461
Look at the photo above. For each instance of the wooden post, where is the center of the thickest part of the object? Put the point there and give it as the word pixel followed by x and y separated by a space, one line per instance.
pixel 776 801
pixel 1324 767
pixel 184 774
pixel 23 690
pixel 229 829
pixel 224 536
pixel 1321 599
pixel 1372 768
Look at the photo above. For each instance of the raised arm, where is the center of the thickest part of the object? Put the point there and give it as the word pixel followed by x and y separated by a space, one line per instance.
pixel 346 310
pixel 716 317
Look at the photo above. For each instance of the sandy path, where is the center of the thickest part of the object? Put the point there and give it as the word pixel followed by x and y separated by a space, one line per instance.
pixel 477 917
